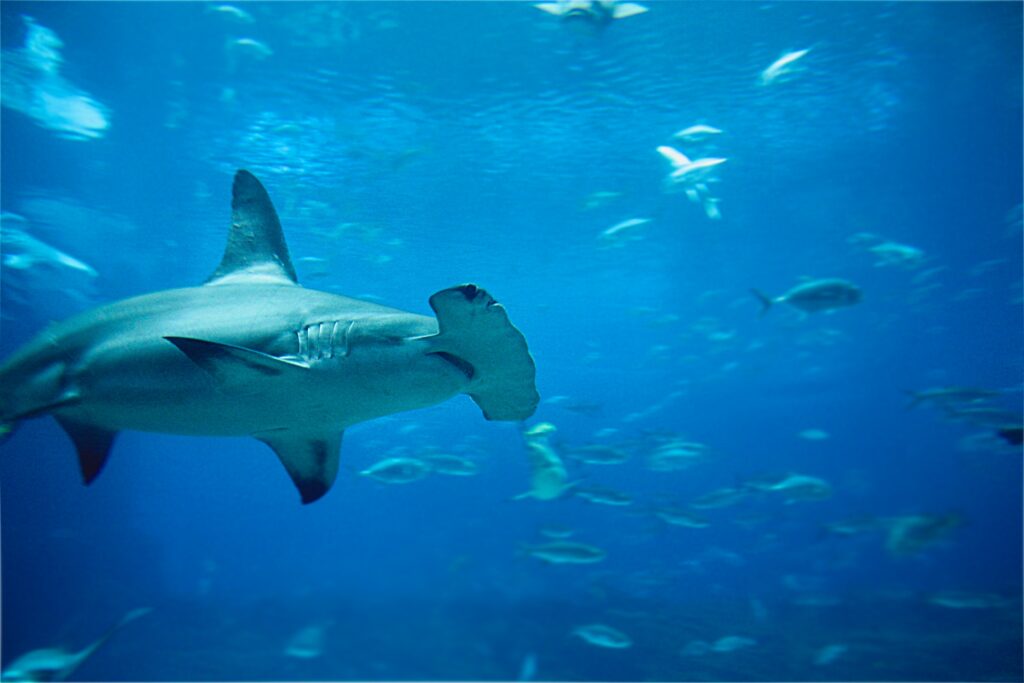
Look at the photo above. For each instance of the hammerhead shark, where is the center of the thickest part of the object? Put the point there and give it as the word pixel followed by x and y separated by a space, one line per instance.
pixel 252 353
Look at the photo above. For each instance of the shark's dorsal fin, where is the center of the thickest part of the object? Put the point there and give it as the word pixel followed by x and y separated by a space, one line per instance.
pixel 256 248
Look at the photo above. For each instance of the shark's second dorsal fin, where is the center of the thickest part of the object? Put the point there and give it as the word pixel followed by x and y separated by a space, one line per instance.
pixel 256 248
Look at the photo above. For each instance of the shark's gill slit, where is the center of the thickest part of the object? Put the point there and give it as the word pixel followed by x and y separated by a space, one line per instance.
pixel 313 336
pixel 326 342
pixel 336 348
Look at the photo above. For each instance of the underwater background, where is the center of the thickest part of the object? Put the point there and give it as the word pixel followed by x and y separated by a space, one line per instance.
pixel 409 147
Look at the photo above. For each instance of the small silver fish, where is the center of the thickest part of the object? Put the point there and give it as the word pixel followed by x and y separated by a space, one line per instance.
pixel 308 642
pixel 814 296
pixel 896 254
pixel 599 455
pixel 951 395
pixel 696 132
pixel 602 496
pixel 452 465
pixel 719 498
pixel 623 230
pixel 676 454
pixel 677 517
pixel 813 435
pixel 829 654
pixel 603 636
pixel 250 48
pixel 911 534
pixel 232 13
pixel 965 600
pixel 782 66
pixel 397 470
pixel 732 643
pixel 794 487
pixel 566 552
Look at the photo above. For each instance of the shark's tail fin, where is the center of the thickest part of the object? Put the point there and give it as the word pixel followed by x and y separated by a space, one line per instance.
pixel 475 333
pixel 766 301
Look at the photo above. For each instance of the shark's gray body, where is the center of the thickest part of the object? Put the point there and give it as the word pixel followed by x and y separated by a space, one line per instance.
pixel 253 353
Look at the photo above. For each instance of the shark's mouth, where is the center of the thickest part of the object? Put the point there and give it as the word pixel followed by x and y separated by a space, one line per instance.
pixel 460 364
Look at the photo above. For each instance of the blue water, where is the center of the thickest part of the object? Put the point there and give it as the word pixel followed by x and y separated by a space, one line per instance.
pixel 409 147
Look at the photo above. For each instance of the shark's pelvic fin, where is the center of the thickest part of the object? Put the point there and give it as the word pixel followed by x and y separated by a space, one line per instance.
pixel 475 329
pixel 311 461
pixel 230 364
pixel 92 443
pixel 256 248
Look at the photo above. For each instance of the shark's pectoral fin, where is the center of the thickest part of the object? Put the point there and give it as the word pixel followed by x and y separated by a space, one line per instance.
pixel 230 364
pixel 475 329
pixel 311 461
pixel 92 443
